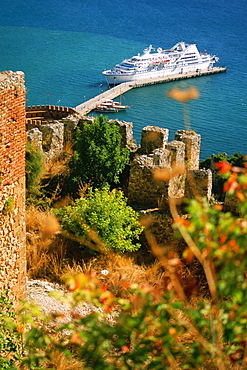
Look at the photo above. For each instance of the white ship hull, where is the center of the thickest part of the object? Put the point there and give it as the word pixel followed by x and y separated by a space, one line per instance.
pixel 182 58
pixel 118 78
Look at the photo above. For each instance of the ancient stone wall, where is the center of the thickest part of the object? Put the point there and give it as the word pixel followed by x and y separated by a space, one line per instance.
pixel 51 136
pixel 12 183
pixel 155 152
pixel 192 143
pixel 198 183
pixel 144 191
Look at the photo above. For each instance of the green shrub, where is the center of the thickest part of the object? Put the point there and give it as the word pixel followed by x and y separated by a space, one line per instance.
pixel 10 344
pixel 237 159
pixel 34 169
pixel 105 212
pixel 99 157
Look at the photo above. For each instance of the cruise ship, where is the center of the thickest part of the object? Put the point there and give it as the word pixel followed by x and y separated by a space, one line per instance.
pixel 159 63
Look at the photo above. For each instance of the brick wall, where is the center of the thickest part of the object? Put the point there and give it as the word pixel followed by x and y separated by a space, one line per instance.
pixel 12 183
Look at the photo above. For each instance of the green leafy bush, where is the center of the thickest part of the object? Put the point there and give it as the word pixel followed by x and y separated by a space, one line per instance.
pixel 105 212
pixel 34 165
pixel 34 169
pixel 10 343
pixel 99 157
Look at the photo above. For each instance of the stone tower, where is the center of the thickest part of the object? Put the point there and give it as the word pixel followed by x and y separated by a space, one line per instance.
pixel 12 183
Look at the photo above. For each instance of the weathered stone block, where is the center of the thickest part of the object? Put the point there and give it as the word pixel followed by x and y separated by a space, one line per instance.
pixel 198 183
pixel 144 191
pixel 34 136
pixel 153 138
pixel 192 143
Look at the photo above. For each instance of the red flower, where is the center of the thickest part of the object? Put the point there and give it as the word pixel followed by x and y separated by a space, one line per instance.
pixel 231 184
pixel 223 238
pixel 223 167
pixel 125 349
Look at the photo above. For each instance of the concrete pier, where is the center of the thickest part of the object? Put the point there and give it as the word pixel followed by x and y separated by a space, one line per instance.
pixel 112 93
pixel 120 89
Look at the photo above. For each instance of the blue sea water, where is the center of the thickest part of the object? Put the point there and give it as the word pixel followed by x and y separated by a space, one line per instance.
pixel 62 46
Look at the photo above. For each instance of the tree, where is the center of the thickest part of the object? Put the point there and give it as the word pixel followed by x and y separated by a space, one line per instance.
pixel 102 221
pixel 237 159
pixel 99 157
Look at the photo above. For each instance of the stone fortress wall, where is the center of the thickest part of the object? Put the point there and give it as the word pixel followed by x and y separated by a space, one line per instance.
pixel 155 152
pixel 12 183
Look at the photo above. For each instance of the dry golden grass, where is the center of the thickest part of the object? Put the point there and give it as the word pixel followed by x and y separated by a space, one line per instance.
pixel 59 361
pixel 45 255
pixel 58 164
pixel 50 257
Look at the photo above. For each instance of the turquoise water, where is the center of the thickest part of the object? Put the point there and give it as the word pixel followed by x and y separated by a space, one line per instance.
pixel 64 45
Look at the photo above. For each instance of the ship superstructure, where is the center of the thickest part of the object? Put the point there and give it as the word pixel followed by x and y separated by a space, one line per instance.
pixel 158 63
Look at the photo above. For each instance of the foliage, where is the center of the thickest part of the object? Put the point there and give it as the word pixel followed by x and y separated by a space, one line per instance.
pixel 105 212
pixel 210 161
pixel 34 165
pixel 9 339
pixel 9 205
pixel 237 159
pixel 99 157
pixel 159 326
pixel 34 169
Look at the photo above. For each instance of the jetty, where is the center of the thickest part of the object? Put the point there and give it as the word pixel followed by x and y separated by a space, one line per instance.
pixel 120 89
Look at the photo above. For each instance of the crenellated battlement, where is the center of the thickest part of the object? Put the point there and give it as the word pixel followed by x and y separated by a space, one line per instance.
pixel 155 152
pixel 144 191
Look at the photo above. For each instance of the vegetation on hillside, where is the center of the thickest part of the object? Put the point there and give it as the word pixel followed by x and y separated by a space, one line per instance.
pixel 152 320
pixel 101 221
pixel 147 316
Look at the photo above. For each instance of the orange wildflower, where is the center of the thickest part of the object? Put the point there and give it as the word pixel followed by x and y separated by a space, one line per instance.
pixel 75 337
pixel 218 207
pixel 240 196
pixel 223 167
pixel 146 288
pixel 167 174
pixel 77 281
pixel 125 349
pixel 20 328
pixel 188 255
pixel 184 95
pixel 126 284
pixel 231 184
pixel 233 244
pixel 223 238
pixel 172 331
